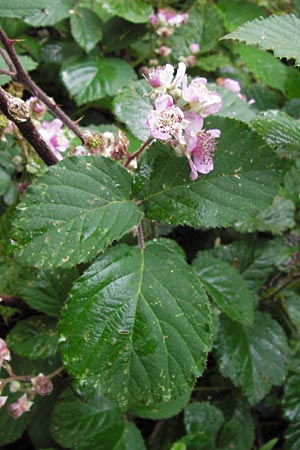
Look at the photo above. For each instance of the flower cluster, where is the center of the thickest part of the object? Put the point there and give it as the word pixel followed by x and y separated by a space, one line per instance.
pixel 179 114
pixel 108 144
pixel 164 22
pixel 29 385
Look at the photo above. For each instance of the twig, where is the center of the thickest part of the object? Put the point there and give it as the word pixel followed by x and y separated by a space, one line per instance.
pixel 22 77
pixel 9 64
pixel 140 150
pixel 16 110
pixel 272 293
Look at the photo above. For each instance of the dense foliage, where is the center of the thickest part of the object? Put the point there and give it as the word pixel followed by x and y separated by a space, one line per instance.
pixel 149 228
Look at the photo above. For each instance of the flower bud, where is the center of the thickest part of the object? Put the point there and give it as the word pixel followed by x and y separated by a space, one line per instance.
pixel 17 408
pixel 14 386
pixel 42 385
pixel 4 352
pixel 36 107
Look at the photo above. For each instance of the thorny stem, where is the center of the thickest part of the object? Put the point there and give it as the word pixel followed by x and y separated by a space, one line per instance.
pixel 27 129
pixel 139 151
pixel 20 75
pixel 14 377
pixel 283 286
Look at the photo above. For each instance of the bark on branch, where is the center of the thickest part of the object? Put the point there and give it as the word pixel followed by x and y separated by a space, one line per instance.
pixel 17 111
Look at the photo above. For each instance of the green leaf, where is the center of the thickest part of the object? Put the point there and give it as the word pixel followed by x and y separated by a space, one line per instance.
pixel 91 423
pixel 132 107
pixel 120 34
pixel 226 287
pixel 237 12
pixel 276 219
pixel 46 291
pixel 263 97
pixel 137 323
pixel 93 78
pixel 264 66
pixel 234 107
pixel 292 183
pixel 280 131
pixel 270 444
pixel 253 357
pixel 21 8
pixel 52 14
pixel 254 259
pixel 75 211
pixel 39 426
pixel 86 28
pixel 136 11
pixel 238 431
pixel 203 418
pixel 292 436
pixel 292 302
pixel 178 446
pixel 27 62
pixel 213 62
pixel 281 34
pixel 131 438
pixel 160 410
pixel 241 176
pixel 34 338
pixel 204 26
pixel 291 398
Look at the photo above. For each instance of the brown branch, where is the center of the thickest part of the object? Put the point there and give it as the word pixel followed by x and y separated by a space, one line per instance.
pixel 22 76
pixel 16 110
pixel 13 302
pixel 139 151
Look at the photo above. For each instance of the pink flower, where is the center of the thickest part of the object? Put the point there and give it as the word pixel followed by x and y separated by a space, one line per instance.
pixel 165 122
pixel 232 85
pixel 42 385
pixel 163 51
pixel 161 78
pixel 167 16
pixel 195 124
pixel 19 407
pixel 201 153
pixel 54 136
pixel 4 352
pixel 194 48
pixel 200 99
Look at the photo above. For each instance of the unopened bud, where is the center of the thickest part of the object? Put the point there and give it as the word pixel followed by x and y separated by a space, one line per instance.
pixel 14 386
pixel 36 107
pixel 17 408
pixel 4 352
pixel 42 385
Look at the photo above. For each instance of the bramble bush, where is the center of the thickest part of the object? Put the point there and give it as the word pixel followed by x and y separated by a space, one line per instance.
pixel 149 229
